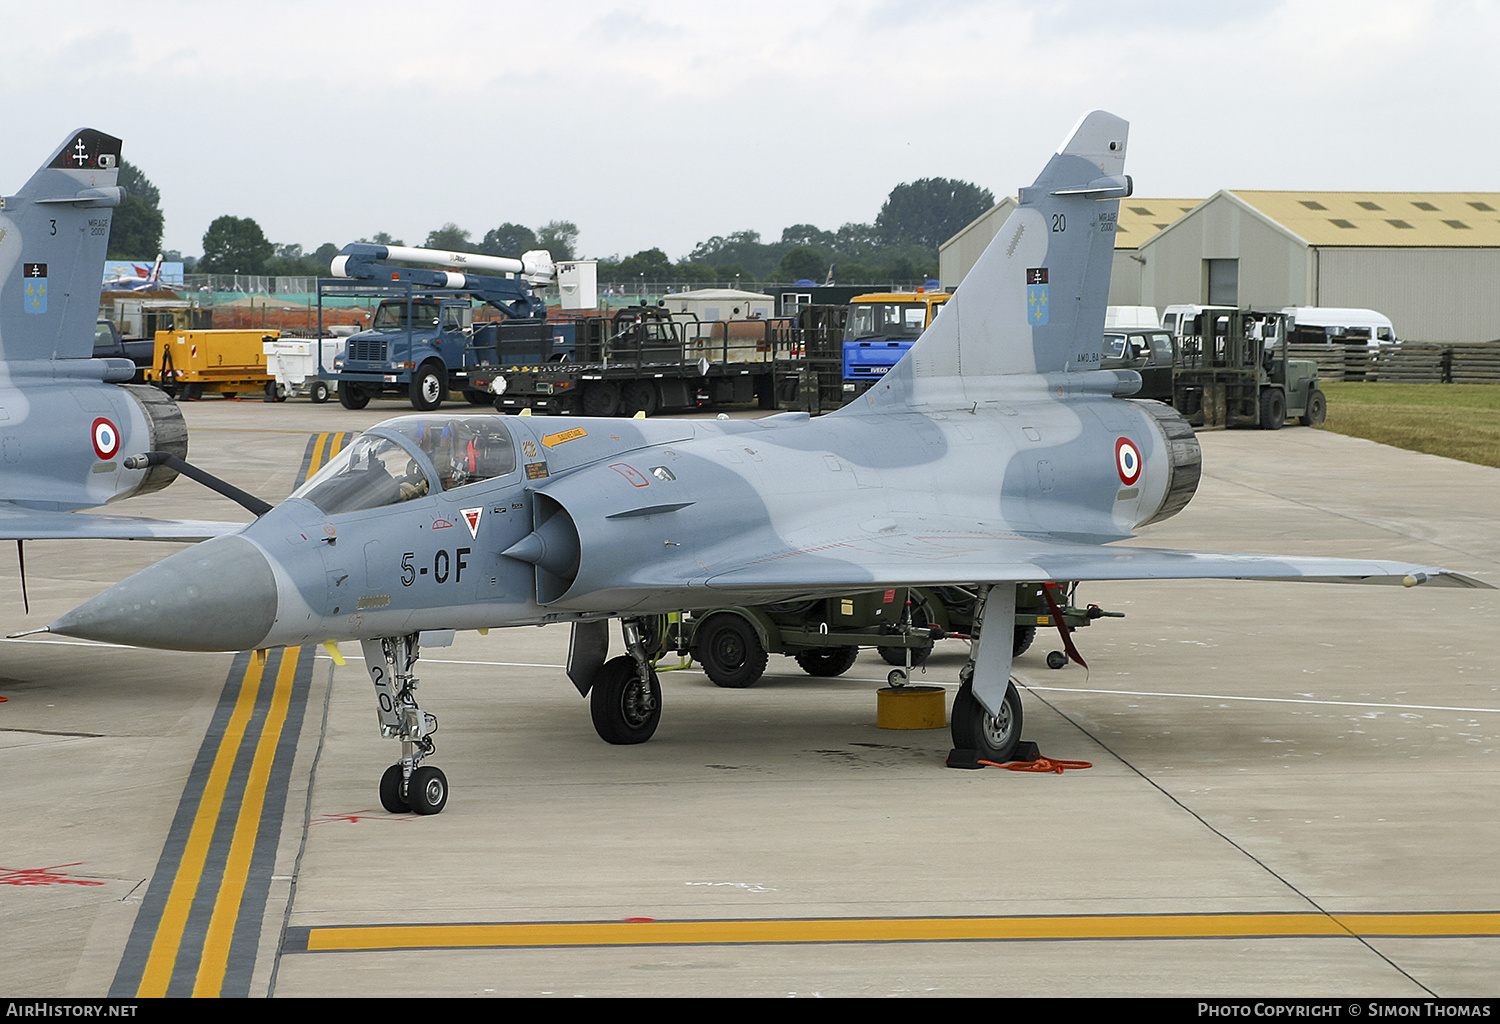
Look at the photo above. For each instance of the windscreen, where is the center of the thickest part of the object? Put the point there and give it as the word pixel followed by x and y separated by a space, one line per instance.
pixel 392 315
pixel 885 321
pixel 371 472
pixel 375 471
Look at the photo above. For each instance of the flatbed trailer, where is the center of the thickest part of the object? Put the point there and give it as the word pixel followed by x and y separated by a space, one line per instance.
pixel 643 359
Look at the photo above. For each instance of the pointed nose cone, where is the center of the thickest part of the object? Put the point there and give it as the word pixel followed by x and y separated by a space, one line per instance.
pixel 217 596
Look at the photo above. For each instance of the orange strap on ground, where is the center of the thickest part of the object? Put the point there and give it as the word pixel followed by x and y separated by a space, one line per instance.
pixel 1041 764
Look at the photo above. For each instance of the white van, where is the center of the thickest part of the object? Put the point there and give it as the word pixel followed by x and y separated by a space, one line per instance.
pixel 1125 317
pixel 1340 326
pixel 1176 317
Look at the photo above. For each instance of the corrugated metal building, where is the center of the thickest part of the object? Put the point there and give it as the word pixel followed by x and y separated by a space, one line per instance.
pixel 1427 260
pixel 1139 220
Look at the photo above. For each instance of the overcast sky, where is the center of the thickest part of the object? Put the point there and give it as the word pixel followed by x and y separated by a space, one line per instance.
pixel 664 122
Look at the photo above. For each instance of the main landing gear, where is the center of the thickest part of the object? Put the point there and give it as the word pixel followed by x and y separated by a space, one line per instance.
pixel 625 699
pixel 407 785
pixel 986 719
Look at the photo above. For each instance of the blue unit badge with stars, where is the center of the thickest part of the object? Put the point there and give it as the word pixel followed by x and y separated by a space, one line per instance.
pixel 34 295
pixel 1036 295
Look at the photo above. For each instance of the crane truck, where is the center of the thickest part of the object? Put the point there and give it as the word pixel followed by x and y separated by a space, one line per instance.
pixel 424 342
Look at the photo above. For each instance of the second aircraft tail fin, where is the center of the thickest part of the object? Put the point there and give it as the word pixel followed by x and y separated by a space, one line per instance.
pixel 54 235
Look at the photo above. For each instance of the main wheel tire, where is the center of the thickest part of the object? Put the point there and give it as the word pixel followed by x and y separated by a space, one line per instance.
pixel 427 792
pixel 391 797
pixel 426 389
pixel 624 709
pixel 730 651
pixel 352 396
pixel 1317 409
pixel 974 728
pixel 827 662
pixel 318 392
pixel 1272 409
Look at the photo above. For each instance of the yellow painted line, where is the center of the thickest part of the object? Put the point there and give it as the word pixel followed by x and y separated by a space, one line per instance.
pixel 164 946
pixel 336 441
pixel 941 929
pixel 326 449
pixel 321 455
pixel 1422 924
pixel 214 961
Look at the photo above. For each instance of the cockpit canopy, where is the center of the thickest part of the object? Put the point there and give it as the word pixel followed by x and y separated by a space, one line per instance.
pixel 400 460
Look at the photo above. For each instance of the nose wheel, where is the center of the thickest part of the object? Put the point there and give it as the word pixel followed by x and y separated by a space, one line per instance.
pixel 425 792
pixel 408 786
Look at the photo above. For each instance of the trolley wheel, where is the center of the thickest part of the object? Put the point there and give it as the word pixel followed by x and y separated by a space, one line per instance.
pixel 827 662
pixel 729 650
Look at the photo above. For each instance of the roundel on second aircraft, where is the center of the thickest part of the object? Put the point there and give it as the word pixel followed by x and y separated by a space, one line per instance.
pixel 106 437
pixel 1127 461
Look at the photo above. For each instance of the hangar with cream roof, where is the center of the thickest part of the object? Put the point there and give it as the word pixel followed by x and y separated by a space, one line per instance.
pixel 1427 260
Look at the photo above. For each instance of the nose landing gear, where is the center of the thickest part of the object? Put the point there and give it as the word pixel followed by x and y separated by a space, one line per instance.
pixel 407 785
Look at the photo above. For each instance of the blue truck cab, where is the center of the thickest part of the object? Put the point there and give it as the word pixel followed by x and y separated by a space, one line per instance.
pixel 881 327
pixel 411 345
pixel 423 340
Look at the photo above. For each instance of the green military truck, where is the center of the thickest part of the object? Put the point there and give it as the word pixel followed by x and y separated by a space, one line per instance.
pixel 731 644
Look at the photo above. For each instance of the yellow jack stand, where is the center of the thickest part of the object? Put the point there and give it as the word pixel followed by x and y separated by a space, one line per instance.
pixel 910 707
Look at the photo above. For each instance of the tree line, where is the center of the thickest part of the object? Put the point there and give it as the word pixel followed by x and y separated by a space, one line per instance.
pixel 900 246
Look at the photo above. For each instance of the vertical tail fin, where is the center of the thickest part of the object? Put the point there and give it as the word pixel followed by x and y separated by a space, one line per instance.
pixel 1035 301
pixel 54 234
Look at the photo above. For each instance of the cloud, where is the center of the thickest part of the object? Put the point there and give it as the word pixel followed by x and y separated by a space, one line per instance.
pixel 662 122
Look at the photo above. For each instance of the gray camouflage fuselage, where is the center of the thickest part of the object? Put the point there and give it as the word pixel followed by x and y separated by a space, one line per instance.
pixel 996 451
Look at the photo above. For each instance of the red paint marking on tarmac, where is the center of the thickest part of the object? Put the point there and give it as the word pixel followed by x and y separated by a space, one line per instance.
pixel 368 814
pixel 42 876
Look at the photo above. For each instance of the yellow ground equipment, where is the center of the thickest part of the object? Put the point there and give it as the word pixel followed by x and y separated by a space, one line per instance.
pixel 189 363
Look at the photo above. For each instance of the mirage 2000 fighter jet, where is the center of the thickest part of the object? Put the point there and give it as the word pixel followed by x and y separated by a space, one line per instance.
pixel 995 452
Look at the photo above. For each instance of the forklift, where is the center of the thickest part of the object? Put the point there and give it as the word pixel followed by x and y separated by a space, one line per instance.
pixel 1234 372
